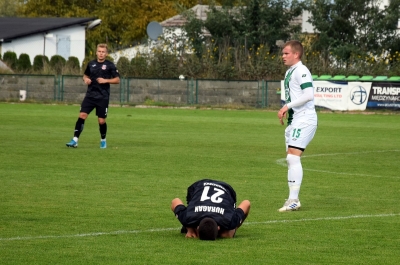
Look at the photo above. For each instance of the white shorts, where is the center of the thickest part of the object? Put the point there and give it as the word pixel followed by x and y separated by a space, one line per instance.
pixel 299 135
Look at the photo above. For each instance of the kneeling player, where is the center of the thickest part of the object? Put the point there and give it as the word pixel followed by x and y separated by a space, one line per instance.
pixel 211 210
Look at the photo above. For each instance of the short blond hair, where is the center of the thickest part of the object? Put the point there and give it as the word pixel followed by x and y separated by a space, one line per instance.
pixel 296 46
pixel 102 45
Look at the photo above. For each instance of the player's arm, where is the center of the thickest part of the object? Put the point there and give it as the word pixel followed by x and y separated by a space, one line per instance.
pixel 308 95
pixel 115 76
pixel 175 202
pixel 86 79
pixel 306 84
pixel 114 80
pixel 191 231
pixel 245 206
pixel 282 112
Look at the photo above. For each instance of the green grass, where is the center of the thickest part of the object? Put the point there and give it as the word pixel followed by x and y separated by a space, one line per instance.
pixel 93 206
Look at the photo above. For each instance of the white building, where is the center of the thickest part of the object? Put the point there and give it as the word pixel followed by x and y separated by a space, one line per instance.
pixel 44 36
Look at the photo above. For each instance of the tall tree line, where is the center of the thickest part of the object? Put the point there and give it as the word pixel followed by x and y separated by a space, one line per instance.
pixel 345 30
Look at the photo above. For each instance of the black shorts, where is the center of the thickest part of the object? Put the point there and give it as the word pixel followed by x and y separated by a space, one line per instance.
pixel 101 106
pixel 237 218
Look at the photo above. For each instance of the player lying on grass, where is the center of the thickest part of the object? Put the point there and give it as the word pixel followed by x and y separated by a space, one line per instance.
pixel 211 210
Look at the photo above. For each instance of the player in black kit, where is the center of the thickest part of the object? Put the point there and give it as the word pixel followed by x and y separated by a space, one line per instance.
pixel 211 210
pixel 99 74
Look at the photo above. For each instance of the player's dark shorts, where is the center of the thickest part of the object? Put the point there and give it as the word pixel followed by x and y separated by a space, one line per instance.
pixel 237 218
pixel 101 106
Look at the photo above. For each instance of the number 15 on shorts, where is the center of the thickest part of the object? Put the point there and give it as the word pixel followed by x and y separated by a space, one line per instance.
pixel 296 133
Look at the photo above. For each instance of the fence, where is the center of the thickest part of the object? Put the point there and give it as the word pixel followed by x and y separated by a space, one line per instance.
pixel 71 89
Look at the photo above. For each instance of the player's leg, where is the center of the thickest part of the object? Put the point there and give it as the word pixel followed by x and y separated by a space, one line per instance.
pixel 86 107
pixel 295 171
pixel 297 138
pixel 101 112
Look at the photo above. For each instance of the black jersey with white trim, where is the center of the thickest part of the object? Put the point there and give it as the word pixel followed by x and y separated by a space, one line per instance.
pixel 94 70
pixel 210 198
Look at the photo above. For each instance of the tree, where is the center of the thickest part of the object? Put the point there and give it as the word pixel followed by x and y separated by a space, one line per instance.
pixel 8 8
pixel 266 21
pixel 357 27
pixel 57 8
pixel 255 23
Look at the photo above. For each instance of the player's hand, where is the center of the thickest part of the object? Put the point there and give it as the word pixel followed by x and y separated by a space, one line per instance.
pixel 282 113
pixel 101 80
pixel 191 233
pixel 87 81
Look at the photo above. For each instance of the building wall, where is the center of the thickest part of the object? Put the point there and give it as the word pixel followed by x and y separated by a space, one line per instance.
pixel 41 44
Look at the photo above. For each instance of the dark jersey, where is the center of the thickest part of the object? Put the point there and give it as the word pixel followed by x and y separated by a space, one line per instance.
pixel 210 198
pixel 95 70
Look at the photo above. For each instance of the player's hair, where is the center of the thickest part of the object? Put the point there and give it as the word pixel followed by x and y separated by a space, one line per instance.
pixel 102 45
pixel 296 46
pixel 208 229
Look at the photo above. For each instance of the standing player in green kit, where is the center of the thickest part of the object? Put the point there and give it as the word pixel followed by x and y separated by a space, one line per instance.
pixel 302 118
pixel 99 74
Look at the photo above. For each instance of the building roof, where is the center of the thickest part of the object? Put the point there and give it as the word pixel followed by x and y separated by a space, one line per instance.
pixel 200 12
pixel 17 27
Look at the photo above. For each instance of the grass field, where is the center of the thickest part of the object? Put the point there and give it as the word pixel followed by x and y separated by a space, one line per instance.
pixel 93 206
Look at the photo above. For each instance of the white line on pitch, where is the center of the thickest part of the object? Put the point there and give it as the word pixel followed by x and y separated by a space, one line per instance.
pixel 121 232
pixel 325 218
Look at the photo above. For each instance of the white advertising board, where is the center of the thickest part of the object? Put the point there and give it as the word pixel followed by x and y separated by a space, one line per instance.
pixel 339 95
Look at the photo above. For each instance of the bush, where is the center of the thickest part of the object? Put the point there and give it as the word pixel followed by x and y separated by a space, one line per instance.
pixel 111 59
pixel 85 63
pixel 124 66
pixel 24 62
pixel 57 63
pixel 39 61
pixel 10 58
pixel 73 63
pixel 139 66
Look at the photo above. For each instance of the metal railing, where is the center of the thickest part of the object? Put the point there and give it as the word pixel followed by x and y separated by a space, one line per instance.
pixel 135 91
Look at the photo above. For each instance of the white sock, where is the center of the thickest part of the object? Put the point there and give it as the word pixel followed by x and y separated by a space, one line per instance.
pixel 75 139
pixel 295 175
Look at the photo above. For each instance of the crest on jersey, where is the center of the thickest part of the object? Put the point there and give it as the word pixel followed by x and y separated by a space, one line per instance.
pixel 304 75
pixel 104 67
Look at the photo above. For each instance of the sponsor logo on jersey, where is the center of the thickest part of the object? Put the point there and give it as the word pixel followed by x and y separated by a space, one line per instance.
pixel 304 75
pixel 214 184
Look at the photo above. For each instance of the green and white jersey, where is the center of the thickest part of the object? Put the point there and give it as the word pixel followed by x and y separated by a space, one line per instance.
pixel 299 94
